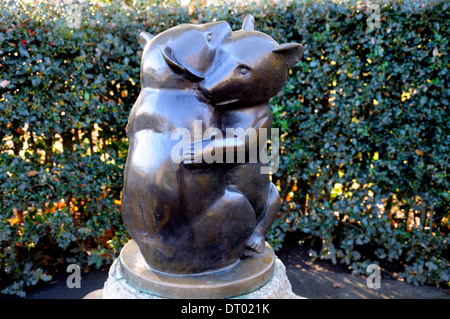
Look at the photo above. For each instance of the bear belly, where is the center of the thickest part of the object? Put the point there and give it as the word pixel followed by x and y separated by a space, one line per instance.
pixel 150 196
pixel 177 230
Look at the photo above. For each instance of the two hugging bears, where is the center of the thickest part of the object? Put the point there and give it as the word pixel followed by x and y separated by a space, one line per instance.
pixel 188 216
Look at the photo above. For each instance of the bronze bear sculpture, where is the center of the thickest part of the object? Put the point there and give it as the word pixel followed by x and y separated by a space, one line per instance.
pixel 188 216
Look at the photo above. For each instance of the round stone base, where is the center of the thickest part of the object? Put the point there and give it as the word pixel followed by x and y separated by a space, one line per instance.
pixel 131 278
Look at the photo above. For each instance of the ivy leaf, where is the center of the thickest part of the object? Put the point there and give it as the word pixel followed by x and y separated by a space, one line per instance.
pixel 4 83
pixel 32 173
pixel 24 52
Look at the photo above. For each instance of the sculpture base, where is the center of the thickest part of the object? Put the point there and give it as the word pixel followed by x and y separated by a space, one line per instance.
pixel 259 277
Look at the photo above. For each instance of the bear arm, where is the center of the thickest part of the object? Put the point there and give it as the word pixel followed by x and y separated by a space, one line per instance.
pixel 152 122
pixel 227 145
pixel 251 137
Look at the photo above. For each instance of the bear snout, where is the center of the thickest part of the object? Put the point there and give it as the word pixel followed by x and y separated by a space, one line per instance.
pixel 212 91
pixel 205 91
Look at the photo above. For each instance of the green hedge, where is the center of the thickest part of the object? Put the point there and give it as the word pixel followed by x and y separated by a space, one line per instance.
pixel 364 120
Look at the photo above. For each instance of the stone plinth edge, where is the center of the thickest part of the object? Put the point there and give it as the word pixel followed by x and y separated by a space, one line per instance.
pixel 273 283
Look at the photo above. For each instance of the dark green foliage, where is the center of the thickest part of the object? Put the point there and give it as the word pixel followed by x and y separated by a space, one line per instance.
pixel 364 120
pixel 368 136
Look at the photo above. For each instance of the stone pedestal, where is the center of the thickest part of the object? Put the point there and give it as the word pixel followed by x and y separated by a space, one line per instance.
pixel 259 277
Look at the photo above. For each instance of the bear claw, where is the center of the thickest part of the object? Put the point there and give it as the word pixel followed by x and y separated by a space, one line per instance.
pixel 254 245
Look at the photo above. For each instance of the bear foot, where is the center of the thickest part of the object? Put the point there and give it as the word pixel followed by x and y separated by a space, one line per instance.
pixel 254 245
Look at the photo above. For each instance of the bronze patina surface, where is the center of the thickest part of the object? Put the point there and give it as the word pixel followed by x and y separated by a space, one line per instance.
pixel 244 276
pixel 188 215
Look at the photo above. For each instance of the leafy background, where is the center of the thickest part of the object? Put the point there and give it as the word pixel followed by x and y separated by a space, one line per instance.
pixel 364 120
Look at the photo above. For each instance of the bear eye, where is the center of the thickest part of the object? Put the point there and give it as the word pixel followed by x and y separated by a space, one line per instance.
pixel 244 69
pixel 208 37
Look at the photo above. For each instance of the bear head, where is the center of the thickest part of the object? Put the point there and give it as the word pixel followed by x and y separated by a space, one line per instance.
pixel 250 68
pixel 180 56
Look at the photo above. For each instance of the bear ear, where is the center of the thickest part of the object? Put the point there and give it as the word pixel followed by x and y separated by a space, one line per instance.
pixel 167 54
pixel 249 23
pixel 145 37
pixel 292 52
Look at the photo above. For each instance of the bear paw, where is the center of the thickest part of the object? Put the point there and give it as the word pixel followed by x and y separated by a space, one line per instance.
pixel 254 245
pixel 192 154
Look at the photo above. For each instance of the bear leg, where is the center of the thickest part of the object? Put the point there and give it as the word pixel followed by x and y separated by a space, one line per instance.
pixel 255 243
pixel 222 230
